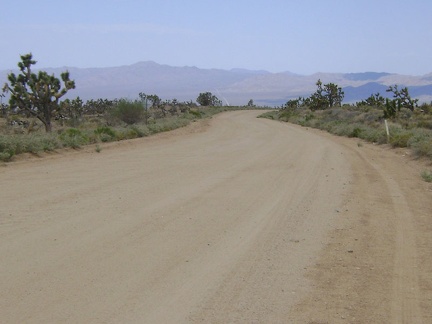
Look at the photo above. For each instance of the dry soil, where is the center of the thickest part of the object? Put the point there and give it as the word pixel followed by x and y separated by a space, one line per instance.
pixel 229 220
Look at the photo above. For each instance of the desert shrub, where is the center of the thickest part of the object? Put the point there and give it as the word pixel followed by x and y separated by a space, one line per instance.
pixel 105 137
pixel 130 112
pixel 405 113
pixel 309 116
pixel 330 126
pixel 342 114
pixel 408 128
pixel 424 123
pixel 427 176
pixel 128 133
pixel 375 135
pixel 420 135
pixel 176 123
pixel 37 143
pixel 7 148
pixel 5 143
pixel 423 148
pixel 167 125
pixel 369 117
pixel 285 114
pixel 32 144
pixel 356 132
pixel 141 131
pixel 348 130
pixel 74 122
pixel 155 128
pixel 74 138
pixel 399 137
pixel 94 129
pixel 105 133
pixel 195 113
pixel 270 114
pixel 421 144
pixel 339 129
pixel 49 143
pixel 426 108
pixel 11 145
pixel 400 140
pixel 6 156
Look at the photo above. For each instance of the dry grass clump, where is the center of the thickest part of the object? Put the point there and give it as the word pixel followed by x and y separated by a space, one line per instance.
pixel 11 145
pixel 427 176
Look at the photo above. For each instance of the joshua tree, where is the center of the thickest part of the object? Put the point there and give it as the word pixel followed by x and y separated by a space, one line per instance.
pixel 326 96
pixel 402 98
pixel 208 99
pixel 36 94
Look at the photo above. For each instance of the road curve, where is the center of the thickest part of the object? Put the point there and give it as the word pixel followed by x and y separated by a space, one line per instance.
pixel 232 220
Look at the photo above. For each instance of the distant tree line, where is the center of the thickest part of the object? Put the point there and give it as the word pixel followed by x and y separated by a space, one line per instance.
pixel 38 95
pixel 331 95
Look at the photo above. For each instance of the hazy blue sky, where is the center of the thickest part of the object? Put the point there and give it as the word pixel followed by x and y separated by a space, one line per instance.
pixel 302 36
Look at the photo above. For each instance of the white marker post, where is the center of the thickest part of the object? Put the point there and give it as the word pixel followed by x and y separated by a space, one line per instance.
pixel 387 131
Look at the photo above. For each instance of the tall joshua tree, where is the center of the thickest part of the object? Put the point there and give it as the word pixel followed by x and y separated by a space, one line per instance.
pixel 37 94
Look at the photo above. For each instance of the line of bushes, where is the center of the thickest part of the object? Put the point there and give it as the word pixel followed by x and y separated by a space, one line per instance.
pixel 96 131
pixel 410 129
pixel 11 145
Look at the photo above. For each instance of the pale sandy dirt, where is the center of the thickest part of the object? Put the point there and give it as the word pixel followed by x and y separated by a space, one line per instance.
pixel 232 220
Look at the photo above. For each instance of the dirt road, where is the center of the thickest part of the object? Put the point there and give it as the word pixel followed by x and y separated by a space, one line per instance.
pixel 231 220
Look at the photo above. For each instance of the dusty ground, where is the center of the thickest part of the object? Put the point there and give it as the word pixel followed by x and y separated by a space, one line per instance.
pixel 232 220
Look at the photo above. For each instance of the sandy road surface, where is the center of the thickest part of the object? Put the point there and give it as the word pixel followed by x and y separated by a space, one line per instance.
pixel 232 220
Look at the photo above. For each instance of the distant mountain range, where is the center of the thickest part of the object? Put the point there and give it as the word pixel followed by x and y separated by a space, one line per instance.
pixel 233 87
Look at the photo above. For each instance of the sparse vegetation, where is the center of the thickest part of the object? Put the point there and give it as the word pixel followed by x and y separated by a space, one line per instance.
pixel 97 121
pixel 73 123
pixel 410 126
pixel 427 176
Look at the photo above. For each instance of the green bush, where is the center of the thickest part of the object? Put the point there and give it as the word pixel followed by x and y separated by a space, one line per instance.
pixel 6 156
pixel 375 135
pixel 427 176
pixel 12 145
pixel 5 143
pixel 141 131
pixel 356 132
pixel 400 138
pixel 105 133
pixel 130 112
pixel 131 133
pixel 74 138
pixel 49 143
pixel 105 130
pixel 423 148
pixel 408 128
pixel 270 114
pixel 154 128
pixel 195 113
